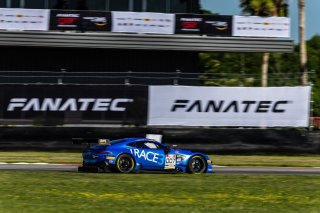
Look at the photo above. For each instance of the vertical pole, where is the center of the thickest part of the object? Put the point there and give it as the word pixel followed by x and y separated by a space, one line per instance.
pixel 176 80
pixel 168 6
pixel 8 3
pixel 60 80
pixel 127 80
pixel 131 5
pixel 46 4
pixel 264 71
pixel 303 48
pixel 144 5
pixel 311 109
pixel 22 4
pixel 107 5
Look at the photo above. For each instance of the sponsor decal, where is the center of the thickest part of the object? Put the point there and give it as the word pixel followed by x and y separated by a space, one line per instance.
pixel 80 20
pixel 98 21
pixel 143 22
pixel 170 162
pixel 67 20
pixel 24 19
pixel 188 23
pixel 261 26
pixel 247 106
pixel 229 106
pixel 218 25
pixel 148 156
pixel 70 104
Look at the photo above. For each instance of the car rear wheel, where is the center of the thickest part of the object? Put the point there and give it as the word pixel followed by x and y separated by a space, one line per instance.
pixel 197 165
pixel 125 163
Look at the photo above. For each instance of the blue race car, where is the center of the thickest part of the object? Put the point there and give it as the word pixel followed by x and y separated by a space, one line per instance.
pixel 135 154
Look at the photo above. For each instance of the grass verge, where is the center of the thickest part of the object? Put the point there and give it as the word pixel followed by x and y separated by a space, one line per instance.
pixel 224 160
pixel 80 192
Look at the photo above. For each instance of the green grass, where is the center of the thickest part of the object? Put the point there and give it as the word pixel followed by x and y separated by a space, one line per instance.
pixel 43 157
pixel 81 192
pixel 267 160
pixel 224 160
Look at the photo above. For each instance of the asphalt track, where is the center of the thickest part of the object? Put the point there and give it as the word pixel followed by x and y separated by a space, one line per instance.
pixel 38 167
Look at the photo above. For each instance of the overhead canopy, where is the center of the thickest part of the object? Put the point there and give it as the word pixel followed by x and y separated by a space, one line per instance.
pixel 145 42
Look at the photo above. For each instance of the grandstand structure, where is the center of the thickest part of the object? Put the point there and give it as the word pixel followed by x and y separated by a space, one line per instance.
pixel 39 53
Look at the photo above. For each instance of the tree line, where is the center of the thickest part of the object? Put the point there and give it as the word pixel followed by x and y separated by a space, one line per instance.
pixel 244 69
pixel 265 69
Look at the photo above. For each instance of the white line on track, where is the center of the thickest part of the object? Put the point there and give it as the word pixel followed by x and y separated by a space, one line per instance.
pixel 24 163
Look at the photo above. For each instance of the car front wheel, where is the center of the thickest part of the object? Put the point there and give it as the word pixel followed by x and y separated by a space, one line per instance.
pixel 197 165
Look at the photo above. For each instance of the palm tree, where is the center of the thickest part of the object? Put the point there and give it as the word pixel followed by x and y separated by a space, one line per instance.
pixel 265 8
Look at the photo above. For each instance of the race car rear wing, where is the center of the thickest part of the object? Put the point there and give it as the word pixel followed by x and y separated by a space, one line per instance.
pixel 88 141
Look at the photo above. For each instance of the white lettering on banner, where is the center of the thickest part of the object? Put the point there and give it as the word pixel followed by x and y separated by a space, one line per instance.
pixel 149 156
pixel 233 106
pixel 261 26
pixel 191 19
pixel 50 104
pixel 229 106
pixel 68 15
pixel 70 104
pixel 85 103
pixel 16 102
pixel 142 22
pixel 115 107
pixel 24 19
pixel 101 104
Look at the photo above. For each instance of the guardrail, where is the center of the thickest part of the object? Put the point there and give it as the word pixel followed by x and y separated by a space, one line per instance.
pixel 148 78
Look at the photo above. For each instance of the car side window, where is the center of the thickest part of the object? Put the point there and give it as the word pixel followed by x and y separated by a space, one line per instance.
pixel 152 145
pixel 139 144
pixel 145 145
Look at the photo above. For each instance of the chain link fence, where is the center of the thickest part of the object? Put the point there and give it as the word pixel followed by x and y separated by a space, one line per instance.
pixel 149 78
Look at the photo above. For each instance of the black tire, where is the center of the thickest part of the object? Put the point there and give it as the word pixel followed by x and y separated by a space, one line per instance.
pixel 125 163
pixel 197 165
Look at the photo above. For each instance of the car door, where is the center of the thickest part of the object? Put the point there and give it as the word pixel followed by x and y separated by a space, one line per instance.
pixel 149 154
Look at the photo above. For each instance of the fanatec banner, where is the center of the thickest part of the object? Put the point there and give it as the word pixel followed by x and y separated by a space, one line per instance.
pixel 24 19
pixel 73 104
pixel 132 22
pixel 229 106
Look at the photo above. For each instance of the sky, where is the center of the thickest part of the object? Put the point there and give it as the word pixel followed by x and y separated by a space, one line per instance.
pixel 231 7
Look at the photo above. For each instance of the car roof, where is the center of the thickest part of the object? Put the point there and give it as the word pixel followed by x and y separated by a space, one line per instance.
pixel 129 140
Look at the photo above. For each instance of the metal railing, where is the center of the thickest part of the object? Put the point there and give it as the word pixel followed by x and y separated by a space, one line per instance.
pixel 148 78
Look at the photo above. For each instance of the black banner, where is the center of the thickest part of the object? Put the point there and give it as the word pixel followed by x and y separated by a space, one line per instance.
pixel 73 104
pixel 189 24
pixel 217 25
pixel 80 20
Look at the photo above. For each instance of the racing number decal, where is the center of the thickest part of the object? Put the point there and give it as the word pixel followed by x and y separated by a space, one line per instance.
pixel 170 162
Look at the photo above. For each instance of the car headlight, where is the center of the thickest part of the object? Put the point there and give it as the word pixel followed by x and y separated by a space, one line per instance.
pixel 181 158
